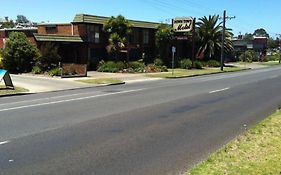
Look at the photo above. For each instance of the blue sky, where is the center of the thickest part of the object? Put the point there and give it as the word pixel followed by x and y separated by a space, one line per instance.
pixel 250 14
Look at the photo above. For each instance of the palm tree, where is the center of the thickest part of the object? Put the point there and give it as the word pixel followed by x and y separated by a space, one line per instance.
pixel 209 30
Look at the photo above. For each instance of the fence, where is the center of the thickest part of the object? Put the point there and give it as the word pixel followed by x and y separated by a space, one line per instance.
pixel 74 70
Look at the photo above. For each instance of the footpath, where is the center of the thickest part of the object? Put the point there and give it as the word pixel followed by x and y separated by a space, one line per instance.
pixel 41 83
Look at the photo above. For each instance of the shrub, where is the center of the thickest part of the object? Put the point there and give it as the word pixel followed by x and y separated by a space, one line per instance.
pixel 49 57
pixel 249 56
pixel 110 66
pixel 1 60
pixel 19 53
pixel 198 65
pixel 55 72
pixel 185 64
pixel 158 62
pixel 136 66
pixel 120 65
pixel 36 70
pixel 273 57
pixel 213 63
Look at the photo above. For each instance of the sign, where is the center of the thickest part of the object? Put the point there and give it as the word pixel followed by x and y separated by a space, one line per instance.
pixel 183 24
pixel 184 38
pixel 4 75
pixel 174 49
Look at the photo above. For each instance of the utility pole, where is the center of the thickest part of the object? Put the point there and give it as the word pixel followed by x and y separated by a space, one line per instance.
pixel 223 36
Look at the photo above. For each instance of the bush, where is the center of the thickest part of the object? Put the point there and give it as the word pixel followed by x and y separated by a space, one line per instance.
pixel 158 62
pixel 198 65
pixel 36 70
pixel 249 56
pixel 213 63
pixel 49 57
pixel 273 57
pixel 1 60
pixel 186 64
pixel 136 66
pixel 19 53
pixel 108 66
pixel 55 72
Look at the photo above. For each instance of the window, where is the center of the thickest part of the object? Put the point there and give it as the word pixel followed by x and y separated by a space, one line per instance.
pixel 94 34
pixel 145 37
pixel 51 29
pixel 134 36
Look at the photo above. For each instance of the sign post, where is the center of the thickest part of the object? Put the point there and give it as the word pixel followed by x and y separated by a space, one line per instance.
pixel 186 24
pixel 4 75
pixel 173 59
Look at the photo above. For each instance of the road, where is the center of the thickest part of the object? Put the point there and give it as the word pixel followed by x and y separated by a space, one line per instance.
pixel 159 127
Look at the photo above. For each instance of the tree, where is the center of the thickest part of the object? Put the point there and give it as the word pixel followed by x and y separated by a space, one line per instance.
pixel 7 24
pixel 19 53
pixel 164 37
pixel 118 29
pixel 49 57
pixel 210 33
pixel 273 43
pixel 261 33
pixel 22 19
pixel 248 36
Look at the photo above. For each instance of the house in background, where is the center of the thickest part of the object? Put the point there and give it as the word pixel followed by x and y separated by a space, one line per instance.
pixel 258 44
pixel 28 31
pixel 83 41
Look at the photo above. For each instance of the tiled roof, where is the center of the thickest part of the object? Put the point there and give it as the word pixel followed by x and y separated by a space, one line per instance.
pixel 58 38
pixel 83 18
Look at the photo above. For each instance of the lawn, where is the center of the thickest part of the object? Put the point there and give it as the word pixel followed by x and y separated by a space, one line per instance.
pixel 102 81
pixel 192 72
pixel 270 63
pixel 258 151
pixel 5 91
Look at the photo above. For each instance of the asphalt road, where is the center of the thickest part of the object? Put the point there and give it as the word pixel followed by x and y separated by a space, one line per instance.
pixel 160 127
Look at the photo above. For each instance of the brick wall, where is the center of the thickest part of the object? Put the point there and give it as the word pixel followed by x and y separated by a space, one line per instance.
pixel 61 29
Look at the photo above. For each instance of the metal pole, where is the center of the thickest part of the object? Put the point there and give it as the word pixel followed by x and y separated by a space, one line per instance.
pixel 173 63
pixel 223 37
pixel 193 41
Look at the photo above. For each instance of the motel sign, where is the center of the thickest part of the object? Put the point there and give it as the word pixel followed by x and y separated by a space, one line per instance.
pixel 184 24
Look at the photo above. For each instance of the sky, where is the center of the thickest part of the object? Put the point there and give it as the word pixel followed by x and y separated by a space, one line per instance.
pixel 250 14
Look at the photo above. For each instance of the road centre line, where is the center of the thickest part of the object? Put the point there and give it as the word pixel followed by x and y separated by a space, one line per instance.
pixel 4 142
pixel 69 100
pixel 219 90
pixel 48 98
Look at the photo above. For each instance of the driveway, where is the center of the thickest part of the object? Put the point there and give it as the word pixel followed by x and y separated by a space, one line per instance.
pixel 44 84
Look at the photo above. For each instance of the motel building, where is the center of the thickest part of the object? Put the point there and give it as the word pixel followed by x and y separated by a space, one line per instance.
pixel 83 41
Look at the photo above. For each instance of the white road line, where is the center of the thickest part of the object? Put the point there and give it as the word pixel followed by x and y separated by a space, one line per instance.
pixel 69 100
pixel 219 90
pixel 5 142
pixel 48 98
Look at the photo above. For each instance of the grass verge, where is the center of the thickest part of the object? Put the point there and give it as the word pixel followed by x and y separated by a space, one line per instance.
pixel 270 63
pixel 102 81
pixel 258 151
pixel 5 91
pixel 192 72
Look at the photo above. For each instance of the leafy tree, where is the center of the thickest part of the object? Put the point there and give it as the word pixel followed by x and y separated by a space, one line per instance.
pixel 19 53
pixel 164 37
pixel 21 19
pixel 9 24
pixel 210 33
pixel 118 29
pixel 49 57
pixel 248 36
pixel 273 43
pixel 249 56
pixel 261 33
